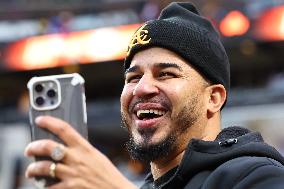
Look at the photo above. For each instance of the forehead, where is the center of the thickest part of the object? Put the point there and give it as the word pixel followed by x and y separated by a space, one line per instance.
pixel 152 56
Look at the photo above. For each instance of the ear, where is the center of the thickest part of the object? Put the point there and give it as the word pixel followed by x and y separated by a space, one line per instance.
pixel 216 98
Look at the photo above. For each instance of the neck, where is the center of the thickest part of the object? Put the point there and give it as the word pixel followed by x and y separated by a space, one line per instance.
pixel 160 167
pixel 207 133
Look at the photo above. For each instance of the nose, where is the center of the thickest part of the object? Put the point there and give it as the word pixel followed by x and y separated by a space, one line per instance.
pixel 145 87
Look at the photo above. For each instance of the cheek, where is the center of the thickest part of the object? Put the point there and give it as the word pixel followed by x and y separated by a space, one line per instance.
pixel 182 94
pixel 177 91
pixel 125 98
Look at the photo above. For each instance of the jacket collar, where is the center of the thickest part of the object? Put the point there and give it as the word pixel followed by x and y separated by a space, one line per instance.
pixel 205 155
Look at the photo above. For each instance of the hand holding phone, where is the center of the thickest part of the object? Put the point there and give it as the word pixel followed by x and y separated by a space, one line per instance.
pixel 60 96
pixel 83 166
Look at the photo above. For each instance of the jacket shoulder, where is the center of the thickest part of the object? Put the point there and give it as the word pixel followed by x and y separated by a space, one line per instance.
pixel 260 173
pixel 243 173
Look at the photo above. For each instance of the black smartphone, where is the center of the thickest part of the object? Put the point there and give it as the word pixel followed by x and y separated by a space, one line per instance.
pixel 61 96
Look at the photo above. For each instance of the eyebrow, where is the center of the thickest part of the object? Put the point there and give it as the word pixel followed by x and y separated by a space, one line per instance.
pixel 168 65
pixel 131 69
pixel 158 65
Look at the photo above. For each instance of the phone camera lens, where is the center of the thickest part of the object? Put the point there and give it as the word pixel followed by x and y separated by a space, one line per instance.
pixel 39 88
pixel 39 101
pixel 51 93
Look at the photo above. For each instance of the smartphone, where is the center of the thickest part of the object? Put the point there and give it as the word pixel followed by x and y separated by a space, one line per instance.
pixel 61 96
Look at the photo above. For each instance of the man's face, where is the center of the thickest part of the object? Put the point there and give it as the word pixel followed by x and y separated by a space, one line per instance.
pixel 162 103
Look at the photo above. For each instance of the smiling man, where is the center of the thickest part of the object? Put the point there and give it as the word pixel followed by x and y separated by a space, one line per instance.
pixel 175 86
pixel 176 82
pixel 164 106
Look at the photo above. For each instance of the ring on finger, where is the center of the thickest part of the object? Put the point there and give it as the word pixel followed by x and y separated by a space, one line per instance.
pixel 52 168
pixel 58 152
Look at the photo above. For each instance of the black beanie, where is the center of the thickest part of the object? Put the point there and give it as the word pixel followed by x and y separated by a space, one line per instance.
pixel 182 30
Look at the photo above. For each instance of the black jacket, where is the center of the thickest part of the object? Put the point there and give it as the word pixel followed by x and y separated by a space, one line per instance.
pixel 237 159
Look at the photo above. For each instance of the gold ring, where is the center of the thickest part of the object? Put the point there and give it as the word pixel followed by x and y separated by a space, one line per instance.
pixel 52 170
pixel 58 152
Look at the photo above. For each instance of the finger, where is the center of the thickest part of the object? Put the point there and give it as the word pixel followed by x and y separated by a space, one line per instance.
pixel 60 128
pixel 64 172
pixel 40 148
pixel 42 168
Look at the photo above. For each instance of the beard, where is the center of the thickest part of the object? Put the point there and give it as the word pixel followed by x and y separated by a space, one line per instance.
pixel 146 152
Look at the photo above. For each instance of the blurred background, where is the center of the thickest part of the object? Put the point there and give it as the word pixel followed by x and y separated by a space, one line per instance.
pixel 44 37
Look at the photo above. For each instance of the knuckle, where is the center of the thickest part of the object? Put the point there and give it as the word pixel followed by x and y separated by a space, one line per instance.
pixel 61 129
pixel 71 183
pixel 46 145
pixel 41 168
pixel 82 169
pixel 74 173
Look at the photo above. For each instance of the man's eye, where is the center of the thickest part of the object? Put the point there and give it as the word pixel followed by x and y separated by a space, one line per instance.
pixel 166 75
pixel 133 79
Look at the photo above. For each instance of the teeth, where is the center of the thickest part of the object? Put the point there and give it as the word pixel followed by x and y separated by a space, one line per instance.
pixel 157 112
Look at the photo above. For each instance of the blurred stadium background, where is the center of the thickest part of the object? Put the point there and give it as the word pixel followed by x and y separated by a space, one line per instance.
pixel 43 37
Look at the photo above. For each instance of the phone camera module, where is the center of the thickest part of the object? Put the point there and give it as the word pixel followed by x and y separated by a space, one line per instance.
pixel 39 101
pixel 51 93
pixel 39 88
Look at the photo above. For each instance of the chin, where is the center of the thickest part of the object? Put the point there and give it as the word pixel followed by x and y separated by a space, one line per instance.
pixel 150 137
pixel 147 150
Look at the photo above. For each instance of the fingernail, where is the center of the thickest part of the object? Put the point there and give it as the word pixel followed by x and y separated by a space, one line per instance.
pixel 26 150
pixel 25 153
pixel 26 174
pixel 38 119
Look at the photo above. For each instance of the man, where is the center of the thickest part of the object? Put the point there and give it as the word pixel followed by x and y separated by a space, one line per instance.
pixel 176 83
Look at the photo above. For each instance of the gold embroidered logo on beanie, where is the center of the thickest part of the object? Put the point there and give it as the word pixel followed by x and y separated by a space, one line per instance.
pixel 140 37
